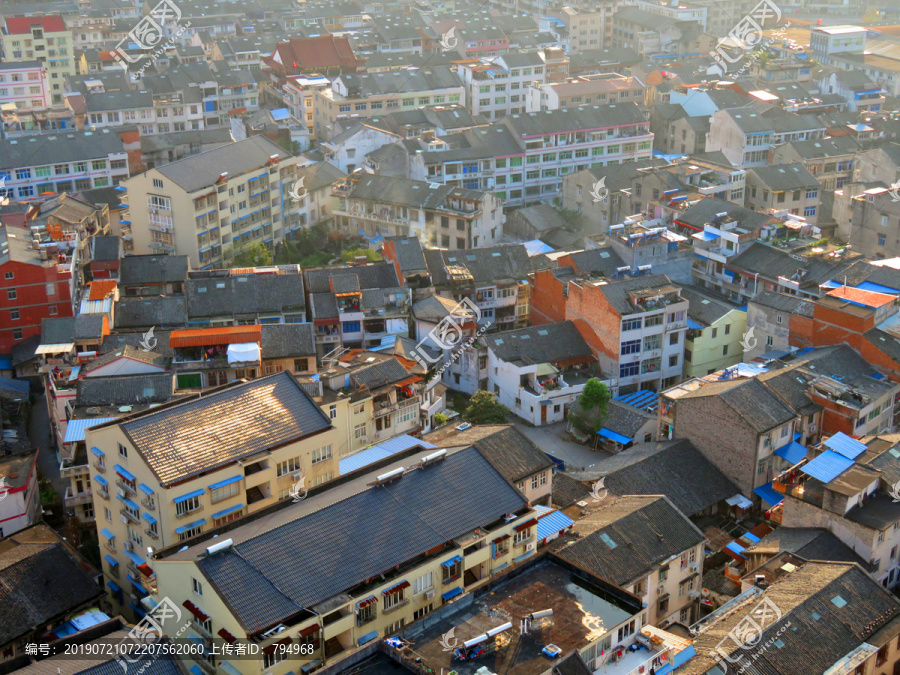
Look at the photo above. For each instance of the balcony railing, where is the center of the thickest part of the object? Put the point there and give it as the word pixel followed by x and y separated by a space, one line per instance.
pixel 100 467
pixel 103 492
pixel 150 533
pixel 188 514
pixel 125 486
pixel 130 516
pixel 148 503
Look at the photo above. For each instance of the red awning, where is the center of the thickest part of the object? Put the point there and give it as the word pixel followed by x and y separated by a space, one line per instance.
pixel 196 611
pixel 283 641
pixel 146 570
pixel 365 603
pixel 209 337
pixel 228 637
pixel 503 538
pixel 525 525
pixel 409 380
pixel 396 589
pixel 326 322
pixel 310 630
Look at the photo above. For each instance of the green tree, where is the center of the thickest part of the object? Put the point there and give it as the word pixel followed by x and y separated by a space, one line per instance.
pixel 484 408
pixel 254 255
pixel 594 395
pixel 440 419
pixel 350 254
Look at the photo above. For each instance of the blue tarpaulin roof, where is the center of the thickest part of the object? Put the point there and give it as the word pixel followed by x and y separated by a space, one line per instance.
pixel 877 288
pixel 386 449
pixel 552 523
pixel 75 428
pixel 280 114
pixel 827 466
pixel 792 453
pixel 735 547
pixel 768 494
pixel 613 436
pixel 707 236
pixel 842 444
pixel 693 324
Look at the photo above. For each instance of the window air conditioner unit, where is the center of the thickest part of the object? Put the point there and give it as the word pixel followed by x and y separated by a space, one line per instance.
pixel 660 588
pixel 129 546
pixel 695 566
pixel 530 546
pixel 429 594
pixel 120 492
pixel 297 476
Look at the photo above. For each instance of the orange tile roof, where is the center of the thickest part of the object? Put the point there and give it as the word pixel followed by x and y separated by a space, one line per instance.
pixel 100 289
pixel 208 337
pixel 861 297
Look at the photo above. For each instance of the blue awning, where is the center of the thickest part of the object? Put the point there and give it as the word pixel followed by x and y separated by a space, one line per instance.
pixel 452 593
pixel 693 324
pixel 223 483
pixel 112 561
pixel 136 584
pixel 368 637
pixel 106 533
pixel 100 479
pixel 553 523
pixel 135 558
pixel 613 436
pixel 97 451
pixel 114 587
pixel 768 494
pixel 195 669
pixel 792 453
pixel 137 609
pixel 309 666
pixel 842 444
pixel 150 519
pixel 225 512
pixel 189 495
pixel 119 188
pixel 124 472
pixel 146 489
pixel 827 466
pixel 190 526
pixel 130 504
pixel 451 562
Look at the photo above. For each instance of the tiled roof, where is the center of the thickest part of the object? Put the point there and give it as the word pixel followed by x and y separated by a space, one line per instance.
pixel 184 439
pixel 22 25
pixel 27 573
pixel 492 263
pixel 702 308
pixel 784 302
pixel 101 288
pixel 706 209
pixel 165 311
pixel 104 248
pixel 287 340
pixel 772 263
pixel 277 574
pixel 785 176
pixel 376 275
pixel 619 292
pixel 409 253
pixel 323 51
pixel 379 374
pixel 548 343
pixel 244 294
pixel 153 269
pixel 750 400
pixel 860 297
pixel 435 307
pixel 809 543
pixel 627 537
pixel 127 352
pixel 70 329
pixel 597 261
pixel 679 471
pixel 567 490
pixel 125 389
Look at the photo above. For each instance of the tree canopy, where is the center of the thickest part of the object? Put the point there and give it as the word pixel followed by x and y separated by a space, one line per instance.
pixel 484 408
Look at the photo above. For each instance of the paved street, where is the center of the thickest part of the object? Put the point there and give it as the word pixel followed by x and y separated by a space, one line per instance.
pixel 39 433
pixel 554 440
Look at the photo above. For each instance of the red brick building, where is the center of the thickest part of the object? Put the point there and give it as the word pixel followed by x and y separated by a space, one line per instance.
pixel 34 285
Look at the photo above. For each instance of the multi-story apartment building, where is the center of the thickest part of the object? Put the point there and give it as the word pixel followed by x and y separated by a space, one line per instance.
pixel 745 136
pixel 228 453
pixel 635 325
pixel 471 523
pixel 37 283
pixel 212 204
pixel 151 113
pixel 25 85
pixel 356 307
pixel 651 33
pixel 45 39
pixel 784 188
pixel 353 96
pixel 600 89
pixel 874 224
pixel 497 87
pixel 438 215
pixel 841 485
pixel 298 92
pixel 524 158
pixel 830 160
pixel 715 332
pixel 778 321
pixel 862 95
pixel 62 162
pixel 588 27
pixel 827 40
pixel 668 577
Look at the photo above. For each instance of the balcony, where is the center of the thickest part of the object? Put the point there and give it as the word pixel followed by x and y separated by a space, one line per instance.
pixel 103 492
pixel 130 516
pixel 148 503
pixel 189 514
pixel 109 546
pixel 74 499
pixel 68 469
pixel 126 486
pixel 150 533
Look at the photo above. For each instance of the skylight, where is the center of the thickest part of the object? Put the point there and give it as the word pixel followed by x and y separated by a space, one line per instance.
pixel 838 601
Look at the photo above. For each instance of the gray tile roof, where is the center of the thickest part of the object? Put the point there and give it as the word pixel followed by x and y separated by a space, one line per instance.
pixel 324 306
pixel 411 193
pixel 105 248
pixel 706 209
pixel 184 439
pixel 785 176
pixel 70 329
pixel 375 275
pixel 773 119
pixel 679 471
pixel 59 147
pixel 169 311
pixel 625 419
pixel 125 390
pixel 508 450
pixel 597 261
pixel 573 119
pixel 202 170
pixel 547 343
pixel 244 294
pixel 702 308
pixel 118 341
pixel 379 374
pixel 784 302
pixel 772 263
pixel 492 263
pixel 809 543
pixel 279 573
pixel 617 292
pixel 567 490
pixel 128 352
pixel 153 269
pixel 643 531
pixel 826 628
pixel 750 400
pixel 319 175
pixel 287 340
pixel 25 350
pixel 434 308
pixel 28 572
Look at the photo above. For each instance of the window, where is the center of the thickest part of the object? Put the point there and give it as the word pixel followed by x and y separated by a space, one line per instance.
pixel 769 341
pixel 188 505
pixel 359 431
pixel 157 183
pixel 367 613
pixel 187 534
pixel 395 599
pixel 225 491
pixel 301 364
pixel 653 321
pixel 673 360
pixel 123 451
pixel 663 574
pixel 351 326
pixel 715 333
pixel 11 294
pixel 271 659
pixel 17 334
pixel 521 537
pixel 724 350
pixel 14 314
pixel 631 324
pixel 291 465
pixel 631 347
pixel 534 482
pixel 321 454
pixel 196 586
pixel 451 572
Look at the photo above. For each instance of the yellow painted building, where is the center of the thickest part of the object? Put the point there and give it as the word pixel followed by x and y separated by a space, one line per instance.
pixel 715 332
pixel 173 472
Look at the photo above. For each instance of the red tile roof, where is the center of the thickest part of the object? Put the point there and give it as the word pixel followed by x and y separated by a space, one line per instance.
pixel 319 53
pixel 22 25
pixel 207 337
pixel 100 289
pixel 861 297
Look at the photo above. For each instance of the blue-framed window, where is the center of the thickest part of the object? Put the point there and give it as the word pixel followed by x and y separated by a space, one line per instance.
pixel 631 347
pixel 882 240
pixel 629 369
pixel 631 324
pixel 812 194
pixel 351 326
pixel 809 211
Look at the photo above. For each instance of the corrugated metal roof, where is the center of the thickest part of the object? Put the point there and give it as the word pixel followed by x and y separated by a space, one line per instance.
pixel 827 466
pixel 100 289
pixel 75 428
pixel 842 444
pixel 207 337
pixel 554 522
pixel 792 453
pixel 377 452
